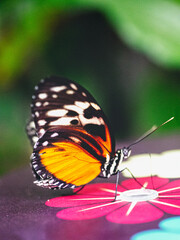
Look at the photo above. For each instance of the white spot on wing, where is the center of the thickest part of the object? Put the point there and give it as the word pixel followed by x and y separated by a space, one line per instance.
pixel 37 114
pixel 73 86
pixel 58 88
pixel 70 92
pixel 74 108
pixel 101 121
pixel 38 104
pixel 35 145
pixel 42 95
pixel 54 134
pixel 41 132
pixel 55 96
pixel 31 124
pixel 35 139
pixel 75 139
pixel 94 120
pixel 79 108
pixel 45 143
pixel 95 106
pixel 57 113
pixel 83 105
pixel 45 104
pixel 63 121
pixel 84 94
pixel 41 122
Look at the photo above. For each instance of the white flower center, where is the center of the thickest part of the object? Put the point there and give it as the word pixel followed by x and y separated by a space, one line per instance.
pixel 138 195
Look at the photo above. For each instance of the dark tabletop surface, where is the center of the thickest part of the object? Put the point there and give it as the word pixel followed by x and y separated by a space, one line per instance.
pixel 24 214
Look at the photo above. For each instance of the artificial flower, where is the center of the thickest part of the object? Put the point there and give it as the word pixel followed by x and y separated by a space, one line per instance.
pixel 96 200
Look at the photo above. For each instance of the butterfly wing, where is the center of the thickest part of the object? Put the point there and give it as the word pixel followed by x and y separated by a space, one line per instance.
pixel 66 158
pixel 31 132
pixel 62 106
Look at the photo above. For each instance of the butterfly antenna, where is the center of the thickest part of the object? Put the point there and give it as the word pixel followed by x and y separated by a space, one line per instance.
pixel 149 132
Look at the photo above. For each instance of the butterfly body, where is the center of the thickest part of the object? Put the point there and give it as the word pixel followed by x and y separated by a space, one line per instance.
pixel 71 137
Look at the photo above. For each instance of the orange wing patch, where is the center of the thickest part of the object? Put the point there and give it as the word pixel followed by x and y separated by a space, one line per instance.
pixel 107 144
pixel 70 163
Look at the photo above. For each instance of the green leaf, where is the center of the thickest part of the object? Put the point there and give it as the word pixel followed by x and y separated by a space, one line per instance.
pixel 158 100
pixel 150 26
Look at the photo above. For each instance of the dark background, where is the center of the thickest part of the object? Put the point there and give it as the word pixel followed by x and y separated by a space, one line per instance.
pixel 126 53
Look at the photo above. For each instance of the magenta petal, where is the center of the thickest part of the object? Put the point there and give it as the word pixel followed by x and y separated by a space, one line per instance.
pixel 90 194
pixel 169 198
pixel 72 201
pixel 99 189
pixel 173 184
pixel 95 200
pixel 171 206
pixel 82 213
pixel 157 182
pixel 141 213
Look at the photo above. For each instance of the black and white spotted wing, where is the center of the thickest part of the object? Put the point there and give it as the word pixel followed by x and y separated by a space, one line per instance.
pixel 73 142
pixel 31 131
pixel 59 102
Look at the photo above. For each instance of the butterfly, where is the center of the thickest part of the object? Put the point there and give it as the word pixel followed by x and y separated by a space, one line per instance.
pixel 71 137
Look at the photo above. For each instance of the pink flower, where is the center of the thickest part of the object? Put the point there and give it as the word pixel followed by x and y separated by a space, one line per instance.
pixel 96 200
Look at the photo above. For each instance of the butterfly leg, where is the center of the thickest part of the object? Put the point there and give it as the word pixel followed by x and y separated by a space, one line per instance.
pixel 132 176
pixel 117 180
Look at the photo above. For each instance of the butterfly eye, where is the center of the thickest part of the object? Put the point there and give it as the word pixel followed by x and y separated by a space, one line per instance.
pixel 126 152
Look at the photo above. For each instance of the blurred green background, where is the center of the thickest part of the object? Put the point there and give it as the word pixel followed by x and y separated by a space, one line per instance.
pixel 126 53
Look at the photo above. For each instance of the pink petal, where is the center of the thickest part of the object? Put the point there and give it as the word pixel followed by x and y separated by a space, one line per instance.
pixel 173 184
pixel 98 189
pixel 171 206
pixel 142 212
pixel 92 193
pixel 132 184
pixel 169 198
pixel 84 212
pixel 72 201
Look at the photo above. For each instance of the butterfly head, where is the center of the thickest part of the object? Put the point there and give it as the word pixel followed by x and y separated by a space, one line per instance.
pixel 126 152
